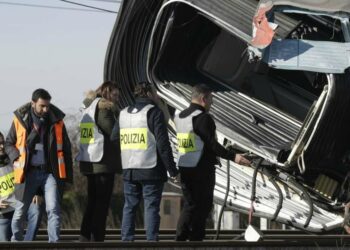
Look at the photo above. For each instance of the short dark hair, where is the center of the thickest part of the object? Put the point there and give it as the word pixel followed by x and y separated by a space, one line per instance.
pixel 1 135
pixel 40 93
pixel 142 89
pixel 200 90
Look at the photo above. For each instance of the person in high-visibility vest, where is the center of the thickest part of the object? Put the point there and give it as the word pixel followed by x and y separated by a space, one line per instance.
pixel 146 158
pixel 40 151
pixel 198 150
pixel 9 193
pixel 99 158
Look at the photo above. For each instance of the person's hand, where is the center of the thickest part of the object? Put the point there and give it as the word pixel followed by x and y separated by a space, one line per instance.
pixel 241 160
pixel 347 229
pixel 4 204
pixel 38 200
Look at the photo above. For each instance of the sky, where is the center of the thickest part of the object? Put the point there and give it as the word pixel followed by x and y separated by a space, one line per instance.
pixel 61 50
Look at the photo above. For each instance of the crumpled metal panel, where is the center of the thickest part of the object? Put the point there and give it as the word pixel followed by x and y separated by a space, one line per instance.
pixel 253 125
pixel 236 15
pixel 315 56
pixel 330 6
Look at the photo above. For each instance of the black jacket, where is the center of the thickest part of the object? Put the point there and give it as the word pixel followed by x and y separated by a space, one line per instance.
pixel 50 147
pixel 165 160
pixel 204 127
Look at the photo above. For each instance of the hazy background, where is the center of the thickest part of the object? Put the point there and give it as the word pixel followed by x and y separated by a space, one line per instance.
pixel 44 43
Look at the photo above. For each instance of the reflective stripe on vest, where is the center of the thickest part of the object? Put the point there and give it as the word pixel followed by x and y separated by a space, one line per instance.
pixel 60 156
pixel 190 146
pixel 137 143
pixel 20 162
pixel 133 138
pixel 91 139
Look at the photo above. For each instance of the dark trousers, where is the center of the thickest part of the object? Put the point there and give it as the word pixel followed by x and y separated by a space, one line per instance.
pixel 100 187
pixel 198 201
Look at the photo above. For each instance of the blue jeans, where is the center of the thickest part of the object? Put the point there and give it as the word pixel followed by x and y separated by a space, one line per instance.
pixel 5 226
pixel 151 191
pixel 36 179
pixel 33 221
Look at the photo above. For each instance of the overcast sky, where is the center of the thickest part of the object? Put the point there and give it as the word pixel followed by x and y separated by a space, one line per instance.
pixel 60 50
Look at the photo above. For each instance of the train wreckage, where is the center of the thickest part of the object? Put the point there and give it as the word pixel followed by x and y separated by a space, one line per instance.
pixel 279 71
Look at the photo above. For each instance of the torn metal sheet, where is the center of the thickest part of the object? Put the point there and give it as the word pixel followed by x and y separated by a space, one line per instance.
pixel 315 56
pixel 330 6
pixel 262 35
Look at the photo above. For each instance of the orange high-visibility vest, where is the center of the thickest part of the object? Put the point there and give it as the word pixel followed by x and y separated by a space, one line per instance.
pixel 60 156
pixel 20 163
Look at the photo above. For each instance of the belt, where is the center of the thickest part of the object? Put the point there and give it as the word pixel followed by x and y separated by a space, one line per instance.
pixel 42 167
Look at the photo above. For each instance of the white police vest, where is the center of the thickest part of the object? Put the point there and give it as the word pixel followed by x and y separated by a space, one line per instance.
pixel 189 145
pixel 8 189
pixel 91 139
pixel 137 143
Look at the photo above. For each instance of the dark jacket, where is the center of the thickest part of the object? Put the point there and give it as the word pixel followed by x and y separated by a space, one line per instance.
pixel 106 116
pixel 165 160
pixel 50 147
pixel 204 127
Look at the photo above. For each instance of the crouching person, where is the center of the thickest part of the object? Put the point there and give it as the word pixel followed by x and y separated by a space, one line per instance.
pixel 7 195
pixel 40 150
pixel 146 158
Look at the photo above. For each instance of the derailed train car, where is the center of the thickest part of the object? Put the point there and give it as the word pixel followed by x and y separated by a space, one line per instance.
pixel 281 93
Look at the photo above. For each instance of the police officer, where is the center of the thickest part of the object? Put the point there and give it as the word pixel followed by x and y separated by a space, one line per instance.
pixel 7 195
pixel 9 192
pixel 99 157
pixel 146 158
pixel 198 150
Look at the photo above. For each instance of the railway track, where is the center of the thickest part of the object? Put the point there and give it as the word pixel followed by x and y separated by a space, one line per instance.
pixel 229 239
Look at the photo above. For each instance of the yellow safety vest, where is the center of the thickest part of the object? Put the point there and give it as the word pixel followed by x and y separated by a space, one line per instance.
pixel 91 146
pixel 190 146
pixel 137 143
